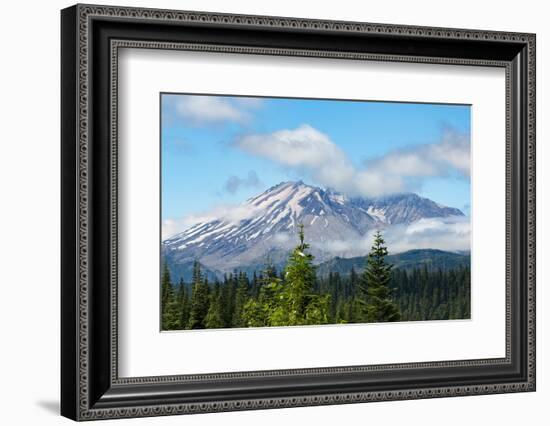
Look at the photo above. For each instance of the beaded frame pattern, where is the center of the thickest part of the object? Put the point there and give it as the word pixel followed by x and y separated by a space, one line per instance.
pixel 86 12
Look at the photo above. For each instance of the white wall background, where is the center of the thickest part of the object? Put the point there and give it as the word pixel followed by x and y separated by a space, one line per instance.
pixel 29 213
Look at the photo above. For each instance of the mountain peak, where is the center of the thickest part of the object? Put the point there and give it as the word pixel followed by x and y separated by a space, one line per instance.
pixel 286 184
pixel 290 184
pixel 287 193
pixel 267 223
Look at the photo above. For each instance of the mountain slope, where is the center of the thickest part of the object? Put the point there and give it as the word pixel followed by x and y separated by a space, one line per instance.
pixel 265 226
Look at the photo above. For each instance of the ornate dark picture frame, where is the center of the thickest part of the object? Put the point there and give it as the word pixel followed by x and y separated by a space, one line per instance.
pixel 91 37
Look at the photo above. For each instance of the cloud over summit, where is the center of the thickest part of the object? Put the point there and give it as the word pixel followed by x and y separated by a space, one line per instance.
pixel 402 170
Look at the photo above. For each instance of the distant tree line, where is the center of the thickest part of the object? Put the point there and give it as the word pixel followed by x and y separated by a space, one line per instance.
pixel 296 296
pixel 420 294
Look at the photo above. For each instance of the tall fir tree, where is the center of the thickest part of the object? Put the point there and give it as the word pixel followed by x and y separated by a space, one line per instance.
pixel 199 299
pixel 297 305
pixel 170 318
pixel 166 285
pixel 375 280
pixel 214 318
pixel 184 302
pixel 241 297
pixel 358 307
pixel 228 298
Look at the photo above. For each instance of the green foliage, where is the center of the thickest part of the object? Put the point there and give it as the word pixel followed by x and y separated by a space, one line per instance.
pixel 293 301
pixel 317 309
pixel 261 311
pixel 170 319
pixel 241 297
pixel 184 304
pixel 436 295
pixel 297 296
pixel 166 285
pixel 199 300
pixel 214 318
pixel 228 299
pixel 296 303
pixel 378 305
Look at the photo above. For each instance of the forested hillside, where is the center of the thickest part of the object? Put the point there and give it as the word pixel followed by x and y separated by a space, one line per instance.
pixel 298 295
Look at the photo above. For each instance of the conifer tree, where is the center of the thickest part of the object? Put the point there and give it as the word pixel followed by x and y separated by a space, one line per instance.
pixel 183 301
pixel 172 314
pixel 260 311
pixel 166 285
pixel 376 279
pixel 228 298
pixel 254 290
pixel 214 315
pixel 353 279
pixel 358 309
pixel 170 319
pixel 298 305
pixel 241 297
pixel 199 299
pixel 299 278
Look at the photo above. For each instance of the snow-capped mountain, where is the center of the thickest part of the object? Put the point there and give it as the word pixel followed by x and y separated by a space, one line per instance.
pixel 265 226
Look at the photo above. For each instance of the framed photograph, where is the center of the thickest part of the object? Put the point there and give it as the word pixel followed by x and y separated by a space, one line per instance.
pixel 263 212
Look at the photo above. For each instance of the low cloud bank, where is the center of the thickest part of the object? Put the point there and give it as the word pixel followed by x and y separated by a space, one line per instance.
pixel 449 234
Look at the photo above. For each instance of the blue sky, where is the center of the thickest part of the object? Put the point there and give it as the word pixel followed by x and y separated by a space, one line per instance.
pixel 222 150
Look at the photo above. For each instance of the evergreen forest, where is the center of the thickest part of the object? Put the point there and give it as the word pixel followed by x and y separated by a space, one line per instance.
pixel 295 295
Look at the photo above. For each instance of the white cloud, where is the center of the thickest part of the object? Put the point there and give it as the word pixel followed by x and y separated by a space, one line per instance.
pixel 313 152
pixel 230 213
pixel 452 152
pixel 449 234
pixel 172 227
pixel 203 110
pixel 444 233
pixel 303 148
